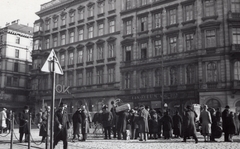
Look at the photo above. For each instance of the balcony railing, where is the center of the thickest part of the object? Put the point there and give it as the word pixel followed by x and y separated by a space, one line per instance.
pixel 233 15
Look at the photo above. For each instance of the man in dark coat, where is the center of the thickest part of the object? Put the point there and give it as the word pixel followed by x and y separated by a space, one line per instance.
pixel 177 125
pixel 189 128
pixel 106 121
pixel 115 119
pixel 122 124
pixel 77 120
pixel 167 125
pixel 60 126
pixel 85 123
pixel 225 115
pixel 23 124
pixel 45 123
pixel 144 116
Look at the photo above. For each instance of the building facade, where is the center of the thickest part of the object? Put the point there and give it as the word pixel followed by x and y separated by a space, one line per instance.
pixel 86 38
pixel 15 65
pixel 189 49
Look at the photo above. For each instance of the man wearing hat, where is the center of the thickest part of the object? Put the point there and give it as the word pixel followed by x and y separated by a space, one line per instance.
pixel 206 121
pixel 107 118
pixel 3 117
pixel 225 115
pixel 77 120
pixel 60 126
pixel 23 124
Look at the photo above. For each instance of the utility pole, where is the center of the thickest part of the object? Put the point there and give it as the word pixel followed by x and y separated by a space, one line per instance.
pixel 162 80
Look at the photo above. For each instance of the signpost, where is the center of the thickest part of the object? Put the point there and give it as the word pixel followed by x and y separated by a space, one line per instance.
pixel 52 66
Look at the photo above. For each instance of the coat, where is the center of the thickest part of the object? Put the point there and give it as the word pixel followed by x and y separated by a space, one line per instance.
pixel 206 121
pixel 154 123
pixel 122 121
pixel 85 122
pixel 23 122
pixel 134 121
pixel 167 125
pixel 177 125
pixel 45 124
pixel 231 125
pixel 77 120
pixel 107 118
pixel 3 118
pixel 189 128
pixel 225 115
pixel 144 116
pixel 115 117
pixel 61 118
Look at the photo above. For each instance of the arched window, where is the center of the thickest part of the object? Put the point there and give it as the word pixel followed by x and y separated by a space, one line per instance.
pixel 158 77
pixel 237 70
pixel 143 79
pixel 173 76
pixel 213 103
pixel 211 72
pixel 190 71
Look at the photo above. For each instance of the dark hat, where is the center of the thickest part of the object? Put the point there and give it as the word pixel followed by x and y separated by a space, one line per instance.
pixel 227 107
pixel 26 107
pixel 112 102
pixel 61 104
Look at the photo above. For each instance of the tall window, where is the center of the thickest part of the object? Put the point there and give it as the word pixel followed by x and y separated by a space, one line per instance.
pixel 79 78
pixel 81 14
pixel 211 38
pixel 90 32
pixel 111 75
pixel 112 26
pixel 127 81
pixel 89 80
pixel 36 45
pixel 173 76
pixel 143 2
pixel 143 24
pixel 90 11
pixel 209 8
pixel 128 53
pixel 70 58
pixel 111 50
pixel 63 18
pixel 236 35
pixel 70 79
pixel 128 27
pixel 158 77
pixel 47 43
pixel 71 39
pixel 157 47
pixel 235 6
pixel 100 29
pixel 55 41
pixel 63 39
pixel 112 4
pixel 100 52
pixel 80 35
pixel 101 7
pixel 237 70
pixel 17 40
pixel 190 71
pixel 172 16
pixel 47 24
pixel 173 44
pixel 99 76
pixel 16 53
pixel 189 42
pixel 72 17
pixel 62 59
pixel 157 20
pixel 55 22
pixel 211 72
pixel 143 50
pixel 80 56
pixel 128 4
pixel 144 79
pixel 90 54
pixel 189 12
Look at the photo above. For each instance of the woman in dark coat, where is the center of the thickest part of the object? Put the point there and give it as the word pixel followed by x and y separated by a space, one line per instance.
pixel 134 122
pixel 216 125
pixel 189 128
pixel 154 125
pixel 122 124
pixel 23 124
pixel 177 125
pixel 45 123
pixel 107 118
pixel 144 116
pixel 231 126
pixel 77 120
pixel 167 125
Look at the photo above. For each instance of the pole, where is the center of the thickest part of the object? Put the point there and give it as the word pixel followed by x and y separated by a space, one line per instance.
pixel 162 82
pixel 47 137
pixel 29 129
pixel 52 105
pixel 12 130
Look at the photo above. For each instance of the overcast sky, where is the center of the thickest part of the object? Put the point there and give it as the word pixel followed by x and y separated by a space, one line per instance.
pixel 24 10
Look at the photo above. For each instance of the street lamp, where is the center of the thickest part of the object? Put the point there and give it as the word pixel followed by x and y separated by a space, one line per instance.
pixel 162 82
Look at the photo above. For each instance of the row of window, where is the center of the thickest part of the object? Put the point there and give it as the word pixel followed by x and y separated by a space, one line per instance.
pixel 171 76
pixel 189 43
pixel 172 15
pixel 14 81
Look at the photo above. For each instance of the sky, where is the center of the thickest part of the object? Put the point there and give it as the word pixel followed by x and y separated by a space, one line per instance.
pixel 24 10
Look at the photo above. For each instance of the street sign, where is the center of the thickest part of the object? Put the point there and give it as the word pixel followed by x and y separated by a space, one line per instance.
pixel 47 66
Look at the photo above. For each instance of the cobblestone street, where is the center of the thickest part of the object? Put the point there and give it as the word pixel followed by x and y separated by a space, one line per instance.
pixel 98 143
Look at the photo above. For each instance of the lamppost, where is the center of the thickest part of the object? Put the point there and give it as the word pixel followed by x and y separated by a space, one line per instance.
pixel 162 82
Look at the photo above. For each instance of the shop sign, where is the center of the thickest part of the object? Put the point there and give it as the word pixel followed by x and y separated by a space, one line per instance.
pixel 147 96
pixel 62 89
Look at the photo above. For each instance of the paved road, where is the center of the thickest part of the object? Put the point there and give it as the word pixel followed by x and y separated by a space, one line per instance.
pixel 96 142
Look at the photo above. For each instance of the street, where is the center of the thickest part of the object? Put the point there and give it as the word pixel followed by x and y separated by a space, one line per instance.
pixel 96 142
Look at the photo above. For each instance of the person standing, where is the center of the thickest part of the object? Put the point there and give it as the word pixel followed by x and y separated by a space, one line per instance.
pixel 122 124
pixel 206 121
pixel 236 122
pixel 9 117
pixel 225 115
pixel 45 123
pixel 115 119
pixel 85 123
pixel 189 128
pixel 144 116
pixel 231 126
pixel 23 124
pixel 154 124
pixel 77 120
pixel 167 125
pixel 107 118
pixel 134 122
pixel 61 124
pixel 215 127
pixel 177 125
pixel 3 118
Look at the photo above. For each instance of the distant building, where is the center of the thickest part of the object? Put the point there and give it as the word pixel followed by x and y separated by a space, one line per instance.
pixel 86 38
pixel 15 65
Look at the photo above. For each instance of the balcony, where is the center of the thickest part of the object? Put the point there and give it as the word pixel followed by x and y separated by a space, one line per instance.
pixel 236 84
pixel 233 16
pixel 212 85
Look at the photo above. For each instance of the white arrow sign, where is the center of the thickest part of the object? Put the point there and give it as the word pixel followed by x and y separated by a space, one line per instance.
pixel 47 66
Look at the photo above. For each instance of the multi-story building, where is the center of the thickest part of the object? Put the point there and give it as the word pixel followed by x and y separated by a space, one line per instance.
pixel 15 65
pixel 86 38
pixel 188 48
